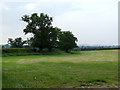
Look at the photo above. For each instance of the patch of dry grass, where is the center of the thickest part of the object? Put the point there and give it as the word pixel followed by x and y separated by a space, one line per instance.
pixel 86 69
pixel 111 55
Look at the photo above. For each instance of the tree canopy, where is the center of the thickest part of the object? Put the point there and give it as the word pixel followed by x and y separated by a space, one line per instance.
pixel 67 41
pixel 17 43
pixel 45 35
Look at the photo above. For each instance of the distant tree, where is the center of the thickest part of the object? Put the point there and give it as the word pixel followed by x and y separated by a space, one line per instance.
pixel 28 43
pixel 3 46
pixel 17 43
pixel 44 35
pixel 67 41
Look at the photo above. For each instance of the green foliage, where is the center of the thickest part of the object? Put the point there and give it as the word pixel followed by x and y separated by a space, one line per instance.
pixel 17 50
pixel 27 51
pixel 44 35
pixel 67 41
pixel 53 38
pixel 17 43
pixel 37 24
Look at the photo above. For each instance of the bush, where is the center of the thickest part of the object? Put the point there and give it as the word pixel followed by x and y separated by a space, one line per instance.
pixel 17 50
pixel 27 51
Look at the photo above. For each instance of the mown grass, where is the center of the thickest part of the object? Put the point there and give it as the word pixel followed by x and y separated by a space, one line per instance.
pixel 83 69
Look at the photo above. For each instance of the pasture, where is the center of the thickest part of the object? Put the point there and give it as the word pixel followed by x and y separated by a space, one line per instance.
pixel 83 69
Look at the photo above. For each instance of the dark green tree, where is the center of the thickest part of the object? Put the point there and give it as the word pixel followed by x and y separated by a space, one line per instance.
pixel 67 41
pixel 52 41
pixel 17 43
pixel 44 35
pixel 3 46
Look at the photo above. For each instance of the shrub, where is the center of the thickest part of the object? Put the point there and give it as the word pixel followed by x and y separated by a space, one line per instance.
pixel 17 50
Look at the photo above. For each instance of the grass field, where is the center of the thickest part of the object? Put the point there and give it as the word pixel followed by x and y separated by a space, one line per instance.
pixel 83 69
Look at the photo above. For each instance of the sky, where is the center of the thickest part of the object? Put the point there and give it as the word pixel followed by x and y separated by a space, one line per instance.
pixel 93 22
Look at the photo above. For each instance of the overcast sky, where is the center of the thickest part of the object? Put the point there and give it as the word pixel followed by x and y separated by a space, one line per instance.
pixel 93 22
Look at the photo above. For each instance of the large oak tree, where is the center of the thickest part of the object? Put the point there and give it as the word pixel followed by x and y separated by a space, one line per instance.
pixel 44 35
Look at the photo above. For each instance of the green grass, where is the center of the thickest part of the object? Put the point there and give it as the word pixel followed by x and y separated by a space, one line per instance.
pixel 83 69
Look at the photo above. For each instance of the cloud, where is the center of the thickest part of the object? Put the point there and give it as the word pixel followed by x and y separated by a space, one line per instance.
pixel 27 0
pixel 91 21
pixel 94 24
pixel 30 6
pixel 4 7
pixel 52 1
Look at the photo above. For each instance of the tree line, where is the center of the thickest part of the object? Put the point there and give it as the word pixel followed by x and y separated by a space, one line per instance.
pixel 44 35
